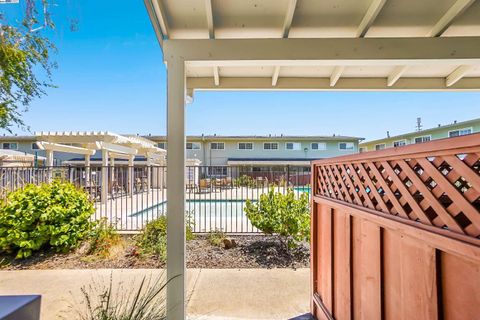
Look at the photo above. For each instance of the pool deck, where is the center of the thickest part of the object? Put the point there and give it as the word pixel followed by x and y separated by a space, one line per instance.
pixel 133 212
pixel 228 294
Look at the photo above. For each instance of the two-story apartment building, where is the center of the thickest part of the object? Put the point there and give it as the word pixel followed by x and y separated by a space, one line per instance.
pixel 271 150
pixel 215 150
pixel 440 132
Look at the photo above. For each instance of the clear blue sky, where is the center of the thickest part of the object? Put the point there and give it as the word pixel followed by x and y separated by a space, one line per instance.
pixel 111 77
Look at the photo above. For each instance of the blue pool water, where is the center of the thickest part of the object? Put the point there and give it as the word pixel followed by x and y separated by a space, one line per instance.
pixel 227 208
pixel 305 189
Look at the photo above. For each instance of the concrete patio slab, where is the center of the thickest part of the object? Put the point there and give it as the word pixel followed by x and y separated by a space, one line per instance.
pixel 212 293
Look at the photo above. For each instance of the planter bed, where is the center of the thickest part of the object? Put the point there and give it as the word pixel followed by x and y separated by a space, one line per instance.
pixel 252 251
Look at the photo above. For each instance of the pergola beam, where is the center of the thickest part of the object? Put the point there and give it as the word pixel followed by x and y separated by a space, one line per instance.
pixel 457 74
pixel 395 75
pixel 446 20
pixel 115 155
pixel 336 74
pixel 327 51
pixel 287 23
pixel 209 13
pixel 50 146
pixel 117 148
pixel 343 84
pixel 369 17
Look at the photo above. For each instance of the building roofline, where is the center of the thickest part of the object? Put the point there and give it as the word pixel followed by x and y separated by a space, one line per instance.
pixel 262 137
pixel 429 130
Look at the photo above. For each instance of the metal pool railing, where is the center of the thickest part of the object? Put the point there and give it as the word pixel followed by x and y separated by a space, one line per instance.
pixel 130 197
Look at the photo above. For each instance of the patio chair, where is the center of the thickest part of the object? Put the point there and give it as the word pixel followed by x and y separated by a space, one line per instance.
pixel 205 184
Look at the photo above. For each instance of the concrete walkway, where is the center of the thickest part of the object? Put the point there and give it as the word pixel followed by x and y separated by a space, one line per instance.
pixel 214 294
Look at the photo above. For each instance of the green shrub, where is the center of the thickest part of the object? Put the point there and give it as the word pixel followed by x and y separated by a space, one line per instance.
pixel 55 215
pixel 102 238
pixel 244 181
pixel 281 215
pixel 216 237
pixel 153 239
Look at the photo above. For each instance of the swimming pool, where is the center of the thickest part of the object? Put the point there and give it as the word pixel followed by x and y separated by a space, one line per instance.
pixel 206 215
pixel 305 189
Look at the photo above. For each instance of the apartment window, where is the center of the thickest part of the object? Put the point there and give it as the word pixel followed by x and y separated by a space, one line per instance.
pixel 363 149
pixel 399 143
pixel 459 132
pixel 270 146
pixel 217 171
pixel 162 145
pixel 346 146
pixel 380 146
pixel 422 139
pixel 35 146
pixel 318 146
pixel 217 145
pixel 293 146
pixel 193 146
pixel 245 146
pixel 10 145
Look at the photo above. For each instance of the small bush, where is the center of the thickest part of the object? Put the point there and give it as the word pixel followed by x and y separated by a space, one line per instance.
pixel 153 239
pixel 244 181
pixel 102 238
pixel 55 215
pixel 216 238
pixel 281 215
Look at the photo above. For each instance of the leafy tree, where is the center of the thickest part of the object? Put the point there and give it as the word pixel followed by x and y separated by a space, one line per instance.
pixel 25 61
pixel 282 215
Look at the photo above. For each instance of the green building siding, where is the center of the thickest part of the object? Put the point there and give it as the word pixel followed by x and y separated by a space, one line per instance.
pixel 434 134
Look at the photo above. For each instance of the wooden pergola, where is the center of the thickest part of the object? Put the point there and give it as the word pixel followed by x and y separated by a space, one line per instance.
pixel 111 145
pixel 333 45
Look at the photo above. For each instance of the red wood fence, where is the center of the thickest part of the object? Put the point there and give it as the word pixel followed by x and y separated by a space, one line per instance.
pixel 396 233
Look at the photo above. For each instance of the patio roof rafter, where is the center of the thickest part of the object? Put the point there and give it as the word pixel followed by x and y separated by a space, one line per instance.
pixel 287 23
pixel 440 27
pixel 209 12
pixel 216 75
pixel 336 74
pixel 457 74
pixel 446 20
pixel 369 17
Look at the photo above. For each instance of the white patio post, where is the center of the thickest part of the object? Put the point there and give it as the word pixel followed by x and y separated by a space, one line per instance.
pixel 130 173
pixel 87 170
pixel 112 172
pixel 149 173
pixel 104 175
pixel 49 155
pixel 176 188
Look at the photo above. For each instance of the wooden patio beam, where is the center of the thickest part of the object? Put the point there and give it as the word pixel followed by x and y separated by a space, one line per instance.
pixel 324 84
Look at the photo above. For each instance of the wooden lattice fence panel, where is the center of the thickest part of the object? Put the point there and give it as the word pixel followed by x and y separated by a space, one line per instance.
pixel 396 233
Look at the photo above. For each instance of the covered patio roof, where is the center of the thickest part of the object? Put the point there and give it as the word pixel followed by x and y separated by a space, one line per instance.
pixel 333 44
pixel 301 45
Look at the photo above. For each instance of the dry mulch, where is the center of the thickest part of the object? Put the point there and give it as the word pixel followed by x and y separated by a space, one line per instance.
pixel 252 251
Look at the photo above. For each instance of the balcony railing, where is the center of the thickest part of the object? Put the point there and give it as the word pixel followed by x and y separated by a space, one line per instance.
pixel 395 233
